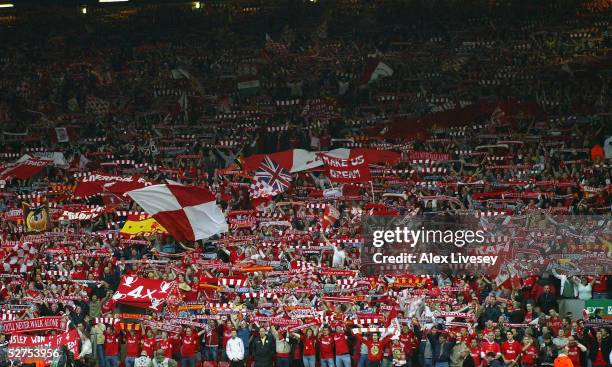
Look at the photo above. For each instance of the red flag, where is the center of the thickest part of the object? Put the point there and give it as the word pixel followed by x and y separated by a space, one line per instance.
pixel 143 292
pixel 25 169
pixel 97 183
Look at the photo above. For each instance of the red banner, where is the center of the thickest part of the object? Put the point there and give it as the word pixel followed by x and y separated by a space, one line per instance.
pixel 97 183
pixel 143 292
pixel 350 170
pixel 276 320
pixel 25 169
pixel 36 324
pixel 83 214
pixel 23 346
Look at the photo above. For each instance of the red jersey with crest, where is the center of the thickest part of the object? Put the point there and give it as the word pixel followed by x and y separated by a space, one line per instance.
pixel 511 350
pixel 529 356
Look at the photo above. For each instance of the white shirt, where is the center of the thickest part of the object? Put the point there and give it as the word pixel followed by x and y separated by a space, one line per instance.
pixel 235 349
pixel 142 361
pixel 86 348
pixel 585 292
pixel 339 258
pixel 562 278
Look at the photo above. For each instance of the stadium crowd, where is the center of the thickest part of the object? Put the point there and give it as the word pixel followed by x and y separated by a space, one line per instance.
pixel 506 119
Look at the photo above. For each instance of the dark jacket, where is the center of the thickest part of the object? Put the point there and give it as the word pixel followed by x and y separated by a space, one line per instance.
pixel 441 352
pixel 245 335
pixel 606 346
pixel 547 354
pixel 491 313
pixel 547 302
pixel 263 354
pixel 468 362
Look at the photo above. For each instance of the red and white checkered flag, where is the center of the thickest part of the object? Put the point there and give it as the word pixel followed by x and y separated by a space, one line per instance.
pixel 187 212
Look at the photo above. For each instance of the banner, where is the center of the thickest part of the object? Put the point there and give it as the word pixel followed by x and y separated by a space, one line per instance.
pixel 23 346
pixel 36 324
pixel 276 321
pixel 97 183
pixel 428 156
pixel 83 214
pixel 25 169
pixel 603 304
pixel 346 170
pixel 55 158
pixel 143 292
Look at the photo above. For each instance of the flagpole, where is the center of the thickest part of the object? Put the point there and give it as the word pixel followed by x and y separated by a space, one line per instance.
pixel 372 187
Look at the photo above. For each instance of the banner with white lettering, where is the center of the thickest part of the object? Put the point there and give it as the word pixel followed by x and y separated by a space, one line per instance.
pixel 22 346
pixel 36 324
pixel 97 183
pixel 24 170
pixel 349 170
pixel 83 214
pixel 143 292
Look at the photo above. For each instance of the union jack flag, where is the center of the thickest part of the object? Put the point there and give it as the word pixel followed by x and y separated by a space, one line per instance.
pixel 270 179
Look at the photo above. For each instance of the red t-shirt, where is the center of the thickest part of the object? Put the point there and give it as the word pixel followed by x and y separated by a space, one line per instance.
pixel 309 346
pixel 132 345
pixel 212 339
pixel 189 346
pixel 574 354
pixel 341 344
pixel 475 353
pixel 555 325
pixel 166 346
pixel 600 285
pixel 175 339
pixel 490 347
pixel 511 350
pixel 409 343
pixel 111 343
pixel 529 355
pixel 227 335
pixel 599 359
pixel 148 345
pixel 375 349
pixel 326 346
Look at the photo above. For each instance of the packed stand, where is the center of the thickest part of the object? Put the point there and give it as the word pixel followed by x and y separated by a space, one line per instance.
pixel 505 120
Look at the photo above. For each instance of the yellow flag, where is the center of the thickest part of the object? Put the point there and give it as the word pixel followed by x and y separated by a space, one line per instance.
pixel 137 226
